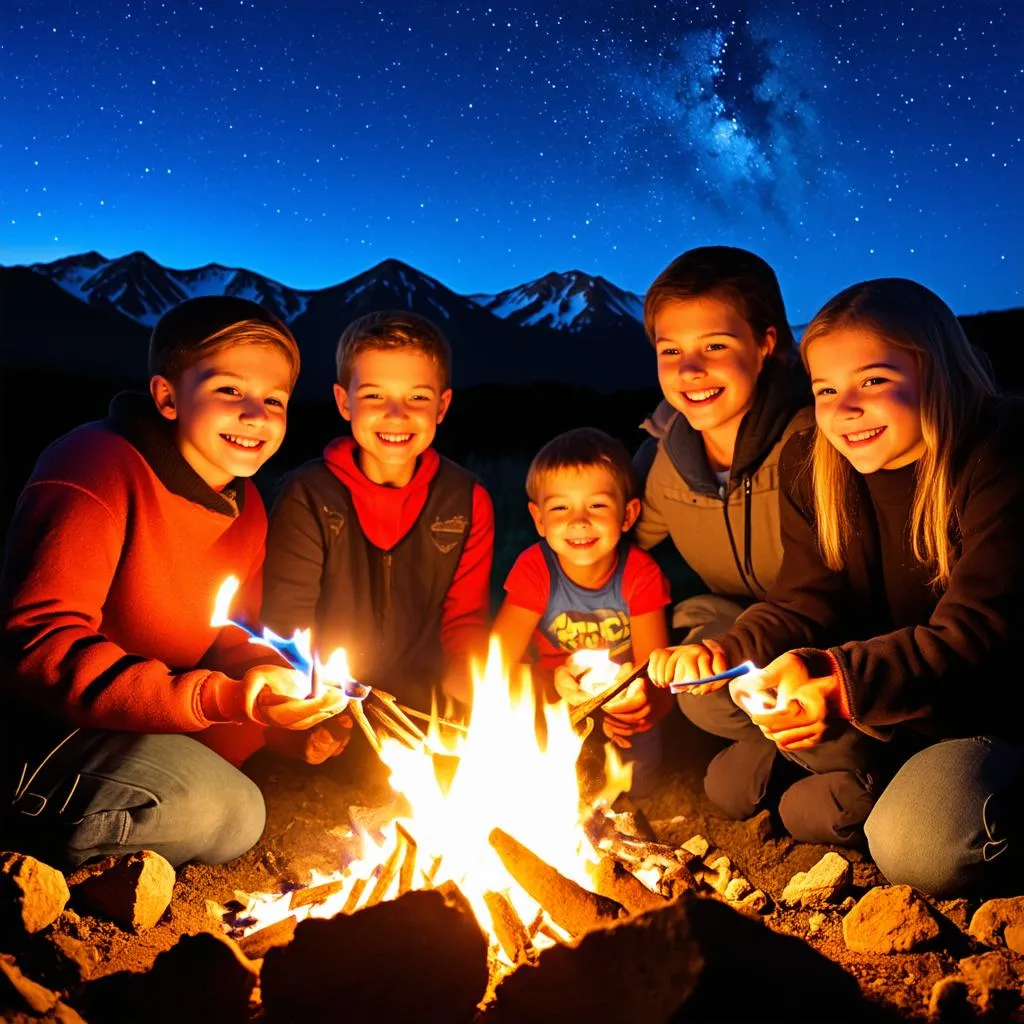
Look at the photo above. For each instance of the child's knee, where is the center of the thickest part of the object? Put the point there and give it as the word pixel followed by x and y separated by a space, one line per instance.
pixel 827 808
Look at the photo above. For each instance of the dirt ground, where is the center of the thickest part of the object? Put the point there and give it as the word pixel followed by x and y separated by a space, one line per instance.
pixel 305 802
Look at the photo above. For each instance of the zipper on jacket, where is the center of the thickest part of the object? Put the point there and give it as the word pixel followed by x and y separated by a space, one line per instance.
pixel 723 493
pixel 748 554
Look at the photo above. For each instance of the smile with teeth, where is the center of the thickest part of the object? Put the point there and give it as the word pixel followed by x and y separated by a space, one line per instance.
pixel 580 542
pixel 863 435
pixel 395 438
pixel 243 442
pixel 702 396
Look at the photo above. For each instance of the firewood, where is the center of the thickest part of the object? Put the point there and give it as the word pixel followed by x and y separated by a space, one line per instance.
pixel 611 879
pixel 510 929
pixel 407 872
pixel 315 894
pixel 353 895
pixel 570 905
pixel 256 944
pixel 385 875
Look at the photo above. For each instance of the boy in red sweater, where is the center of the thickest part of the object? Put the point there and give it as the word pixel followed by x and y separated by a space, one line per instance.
pixel 118 545
pixel 381 546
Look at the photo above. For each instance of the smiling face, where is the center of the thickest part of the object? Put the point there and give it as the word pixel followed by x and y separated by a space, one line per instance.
pixel 394 400
pixel 708 364
pixel 229 410
pixel 867 398
pixel 582 514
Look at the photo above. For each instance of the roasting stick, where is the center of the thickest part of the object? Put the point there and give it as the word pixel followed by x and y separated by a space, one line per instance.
pixel 584 710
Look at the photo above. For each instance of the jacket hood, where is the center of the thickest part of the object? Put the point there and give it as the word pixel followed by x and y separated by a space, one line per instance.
pixel 782 389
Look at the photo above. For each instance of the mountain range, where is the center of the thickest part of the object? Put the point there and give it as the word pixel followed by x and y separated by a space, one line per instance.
pixel 91 314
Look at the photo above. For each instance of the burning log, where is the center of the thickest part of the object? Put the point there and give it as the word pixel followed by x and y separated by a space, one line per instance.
pixel 385 875
pixel 354 895
pixel 571 906
pixel 257 944
pixel 612 880
pixel 314 894
pixel 509 928
pixel 407 872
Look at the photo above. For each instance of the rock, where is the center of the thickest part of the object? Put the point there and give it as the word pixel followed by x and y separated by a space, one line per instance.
pixel 32 894
pixel 133 890
pixel 738 889
pixel 203 977
pixel 717 874
pixel 890 919
pixel 696 845
pixel 955 911
pixel 678 963
pixel 994 981
pixel 1000 923
pixel 418 958
pixel 821 885
pixel 755 902
pixel 948 1000
pixel 20 993
pixel 814 922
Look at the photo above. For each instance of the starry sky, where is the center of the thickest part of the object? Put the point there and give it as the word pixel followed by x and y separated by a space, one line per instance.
pixel 490 143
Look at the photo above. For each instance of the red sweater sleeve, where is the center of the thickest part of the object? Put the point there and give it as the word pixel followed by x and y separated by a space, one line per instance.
pixel 644 586
pixel 528 583
pixel 63 549
pixel 466 612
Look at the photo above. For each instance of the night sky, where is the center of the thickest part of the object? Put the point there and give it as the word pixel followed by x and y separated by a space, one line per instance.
pixel 487 144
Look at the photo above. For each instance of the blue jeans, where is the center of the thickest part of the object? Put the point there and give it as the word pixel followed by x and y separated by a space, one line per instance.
pixel 100 793
pixel 950 820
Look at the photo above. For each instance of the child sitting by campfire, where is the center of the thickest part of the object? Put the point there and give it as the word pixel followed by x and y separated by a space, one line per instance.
pixel 381 546
pixel 584 586
pixel 118 546
pixel 897 613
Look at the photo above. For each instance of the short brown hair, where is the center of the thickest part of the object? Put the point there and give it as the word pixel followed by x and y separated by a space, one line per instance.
pixel 389 330
pixel 580 449
pixel 201 327
pixel 737 276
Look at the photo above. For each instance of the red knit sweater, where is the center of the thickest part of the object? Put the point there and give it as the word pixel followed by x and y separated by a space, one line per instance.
pixel 108 590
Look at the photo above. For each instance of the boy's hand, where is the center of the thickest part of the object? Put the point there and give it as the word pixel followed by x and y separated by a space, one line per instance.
pixel 638 708
pixel 686 663
pixel 277 696
pixel 567 685
pixel 327 739
pixel 803 703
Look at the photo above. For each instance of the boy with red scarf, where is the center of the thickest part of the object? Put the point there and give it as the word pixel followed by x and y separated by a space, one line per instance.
pixel 382 546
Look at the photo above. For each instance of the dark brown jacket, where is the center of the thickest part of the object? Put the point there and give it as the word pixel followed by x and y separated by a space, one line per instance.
pixel 945 661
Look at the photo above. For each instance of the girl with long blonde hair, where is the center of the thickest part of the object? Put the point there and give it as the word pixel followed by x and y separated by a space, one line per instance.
pixel 900 594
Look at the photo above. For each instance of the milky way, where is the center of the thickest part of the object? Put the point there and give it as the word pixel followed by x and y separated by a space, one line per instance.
pixel 488 144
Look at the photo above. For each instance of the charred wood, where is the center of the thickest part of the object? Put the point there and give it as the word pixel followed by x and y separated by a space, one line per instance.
pixel 570 905
pixel 511 932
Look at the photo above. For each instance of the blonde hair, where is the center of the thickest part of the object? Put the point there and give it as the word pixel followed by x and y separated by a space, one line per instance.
pixel 955 382
pixel 580 449
pixel 199 328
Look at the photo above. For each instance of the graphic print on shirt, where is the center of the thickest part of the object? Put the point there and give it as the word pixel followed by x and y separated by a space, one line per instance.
pixel 603 629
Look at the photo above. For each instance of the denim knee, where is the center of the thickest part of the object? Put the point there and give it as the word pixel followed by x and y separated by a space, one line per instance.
pixel 223 815
pixel 945 823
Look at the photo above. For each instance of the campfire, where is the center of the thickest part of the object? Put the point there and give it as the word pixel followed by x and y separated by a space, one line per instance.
pixel 506 826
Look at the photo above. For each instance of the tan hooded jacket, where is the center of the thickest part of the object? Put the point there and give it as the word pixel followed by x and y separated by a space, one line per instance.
pixel 727 533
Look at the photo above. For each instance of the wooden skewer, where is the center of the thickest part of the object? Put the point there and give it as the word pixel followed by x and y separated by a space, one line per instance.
pixel 581 712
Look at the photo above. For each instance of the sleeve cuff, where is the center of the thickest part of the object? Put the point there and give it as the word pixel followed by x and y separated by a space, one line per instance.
pixel 223 700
